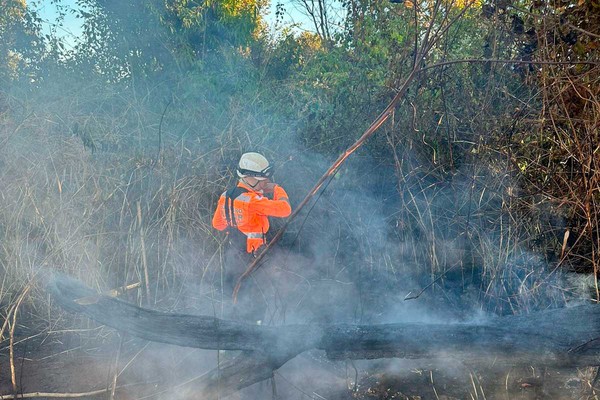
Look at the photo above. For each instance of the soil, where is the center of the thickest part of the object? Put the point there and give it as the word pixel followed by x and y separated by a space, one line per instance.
pixel 155 371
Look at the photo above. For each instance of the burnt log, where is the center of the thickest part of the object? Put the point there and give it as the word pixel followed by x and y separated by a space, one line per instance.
pixel 559 337
pixel 198 331
pixel 565 337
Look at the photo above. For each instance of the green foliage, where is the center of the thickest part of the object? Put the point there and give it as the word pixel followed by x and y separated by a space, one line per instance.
pixel 121 39
pixel 21 47
pixel 173 34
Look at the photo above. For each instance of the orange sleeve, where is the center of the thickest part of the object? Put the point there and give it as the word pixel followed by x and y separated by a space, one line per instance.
pixel 218 221
pixel 278 207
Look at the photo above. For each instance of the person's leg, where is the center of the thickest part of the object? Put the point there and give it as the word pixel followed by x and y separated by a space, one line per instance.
pixel 251 303
pixel 234 265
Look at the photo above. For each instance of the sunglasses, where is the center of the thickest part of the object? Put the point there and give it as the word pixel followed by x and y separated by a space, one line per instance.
pixel 265 173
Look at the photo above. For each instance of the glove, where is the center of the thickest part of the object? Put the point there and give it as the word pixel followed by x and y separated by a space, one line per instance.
pixel 269 188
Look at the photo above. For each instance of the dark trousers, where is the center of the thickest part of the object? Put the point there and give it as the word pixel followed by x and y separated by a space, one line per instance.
pixel 251 303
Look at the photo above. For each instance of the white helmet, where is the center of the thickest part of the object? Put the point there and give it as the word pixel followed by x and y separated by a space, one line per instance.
pixel 254 165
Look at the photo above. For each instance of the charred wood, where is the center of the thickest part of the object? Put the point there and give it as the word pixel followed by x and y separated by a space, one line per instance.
pixel 559 337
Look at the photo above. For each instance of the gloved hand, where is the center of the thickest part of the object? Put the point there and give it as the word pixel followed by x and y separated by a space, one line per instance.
pixel 269 188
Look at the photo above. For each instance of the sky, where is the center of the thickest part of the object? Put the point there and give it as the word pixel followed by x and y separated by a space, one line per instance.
pixel 49 11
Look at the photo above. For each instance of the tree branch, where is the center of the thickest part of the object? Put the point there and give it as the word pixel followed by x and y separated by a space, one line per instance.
pixel 476 60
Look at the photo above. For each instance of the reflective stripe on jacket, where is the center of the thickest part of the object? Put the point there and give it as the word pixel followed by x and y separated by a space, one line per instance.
pixel 251 211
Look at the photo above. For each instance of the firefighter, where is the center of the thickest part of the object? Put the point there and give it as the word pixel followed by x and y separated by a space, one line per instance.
pixel 243 212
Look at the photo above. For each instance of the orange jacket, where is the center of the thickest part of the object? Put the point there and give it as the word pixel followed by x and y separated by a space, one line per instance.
pixel 251 210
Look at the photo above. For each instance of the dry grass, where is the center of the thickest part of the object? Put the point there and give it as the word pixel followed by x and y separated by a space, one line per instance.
pixel 84 205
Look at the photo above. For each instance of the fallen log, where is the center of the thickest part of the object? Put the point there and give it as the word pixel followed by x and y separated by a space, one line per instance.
pixel 559 337
pixel 566 337
pixel 196 331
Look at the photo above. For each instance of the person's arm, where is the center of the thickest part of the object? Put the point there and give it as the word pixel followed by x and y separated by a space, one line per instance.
pixel 218 221
pixel 278 207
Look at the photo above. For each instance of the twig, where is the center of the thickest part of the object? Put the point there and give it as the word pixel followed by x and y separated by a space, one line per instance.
pixel 143 244
pixel 111 293
pixel 583 30
pixel 355 386
pixel 507 61
pixel 296 387
pixel 113 386
pixel 576 349
pixel 11 357
pixel 6 322
pixel 11 351
pixel 60 395
pixel 133 358
pixel 162 117
pixel 409 297
pixel 52 395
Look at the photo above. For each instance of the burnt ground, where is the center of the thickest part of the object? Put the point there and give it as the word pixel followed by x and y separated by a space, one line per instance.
pixel 156 371
pixel 83 360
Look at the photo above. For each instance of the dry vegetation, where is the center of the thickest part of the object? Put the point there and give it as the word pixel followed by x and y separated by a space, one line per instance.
pixel 481 193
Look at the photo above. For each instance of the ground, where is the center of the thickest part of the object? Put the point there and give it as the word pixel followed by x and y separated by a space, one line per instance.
pixel 156 371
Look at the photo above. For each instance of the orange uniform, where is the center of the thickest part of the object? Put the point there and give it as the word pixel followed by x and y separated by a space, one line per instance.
pixel 248 211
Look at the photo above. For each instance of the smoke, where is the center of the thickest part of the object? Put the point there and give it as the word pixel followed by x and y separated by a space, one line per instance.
pixel 113 180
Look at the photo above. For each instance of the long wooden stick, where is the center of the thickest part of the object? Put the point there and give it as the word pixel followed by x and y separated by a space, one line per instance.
pixel 367 134
pixel 330 172
pixel 375 125
pixel 53 395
